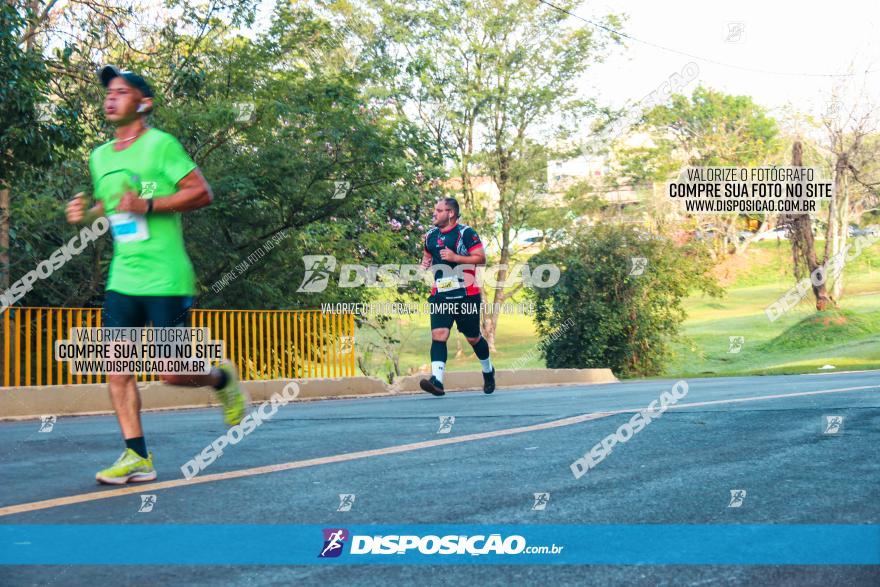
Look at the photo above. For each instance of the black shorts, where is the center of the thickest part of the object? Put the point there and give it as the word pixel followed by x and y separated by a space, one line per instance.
pixel 464 312
pixel 124 311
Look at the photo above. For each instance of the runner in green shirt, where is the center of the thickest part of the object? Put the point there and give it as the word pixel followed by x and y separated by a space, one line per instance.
pixel 143 180
pixel 151 167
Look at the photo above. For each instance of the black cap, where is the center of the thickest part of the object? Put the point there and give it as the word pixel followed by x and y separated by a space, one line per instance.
pixel 108 72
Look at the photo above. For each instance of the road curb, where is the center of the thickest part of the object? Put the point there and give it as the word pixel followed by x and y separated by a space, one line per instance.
pixel 473 380
pixel 24 403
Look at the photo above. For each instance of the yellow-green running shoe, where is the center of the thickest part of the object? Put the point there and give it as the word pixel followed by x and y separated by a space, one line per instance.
pixel 130 466
pixel 234 399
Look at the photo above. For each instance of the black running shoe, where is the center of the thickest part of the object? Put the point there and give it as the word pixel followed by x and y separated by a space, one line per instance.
pixel 432 386
pixel 489 381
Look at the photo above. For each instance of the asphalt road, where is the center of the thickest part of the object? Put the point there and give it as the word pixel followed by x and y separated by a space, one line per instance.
pixel 751 433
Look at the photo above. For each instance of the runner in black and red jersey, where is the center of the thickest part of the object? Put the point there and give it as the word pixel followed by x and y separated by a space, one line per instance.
pixel 455 296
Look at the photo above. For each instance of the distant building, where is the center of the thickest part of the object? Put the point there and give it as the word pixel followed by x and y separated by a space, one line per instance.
pixel 562 174
pixel 487 192
pixel 484 188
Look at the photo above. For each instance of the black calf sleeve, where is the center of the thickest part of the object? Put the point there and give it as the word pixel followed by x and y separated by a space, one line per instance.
pixel 438 351
pixel 482 349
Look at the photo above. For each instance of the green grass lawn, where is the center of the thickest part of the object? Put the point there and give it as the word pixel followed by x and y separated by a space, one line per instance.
pixel 516 340
pixel 801 341
pixel 796 342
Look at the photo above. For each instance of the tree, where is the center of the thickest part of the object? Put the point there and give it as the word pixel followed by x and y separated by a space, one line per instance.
pixel 851 147
pixel 803 249
pixel 490 79
pixel 275 119
pixel 708 129
pixel 622 296
pixel 315 122
pixel 32 133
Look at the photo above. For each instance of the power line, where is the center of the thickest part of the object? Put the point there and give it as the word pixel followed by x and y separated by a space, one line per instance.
pixel 691 55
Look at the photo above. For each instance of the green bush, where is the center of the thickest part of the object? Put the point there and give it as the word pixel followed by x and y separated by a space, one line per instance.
pixel 603 313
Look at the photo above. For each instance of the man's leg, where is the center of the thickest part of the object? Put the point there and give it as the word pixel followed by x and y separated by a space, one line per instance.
pixel 469 325
pixel 122 311
pixel 439 353
pixel 481 349
pixel 216 379
pixel 126 400
pixel 174 312
pixel 441 321
pixel 135 463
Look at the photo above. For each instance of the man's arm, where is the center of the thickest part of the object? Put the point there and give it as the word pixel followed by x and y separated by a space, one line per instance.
pixel 477 257
pixel 193 192
pixel 76 211
pixel 426 259
pixel 476 254
pixel 426 256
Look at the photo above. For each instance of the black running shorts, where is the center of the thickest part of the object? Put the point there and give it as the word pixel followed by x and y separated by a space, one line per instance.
pixel 124 311
pixel 464 312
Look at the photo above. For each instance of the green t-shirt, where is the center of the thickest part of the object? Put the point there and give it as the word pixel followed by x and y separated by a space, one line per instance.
pixel 151 166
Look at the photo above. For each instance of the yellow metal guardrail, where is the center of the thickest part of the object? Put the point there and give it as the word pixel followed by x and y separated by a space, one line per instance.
pixel 263 344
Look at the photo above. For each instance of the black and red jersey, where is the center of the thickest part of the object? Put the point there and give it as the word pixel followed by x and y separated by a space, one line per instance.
pixel 462 240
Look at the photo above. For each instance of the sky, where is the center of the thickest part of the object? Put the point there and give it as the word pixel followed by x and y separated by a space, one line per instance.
pixel 777 42
pixel 776 36
pixel 785 37
pixel 786 55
